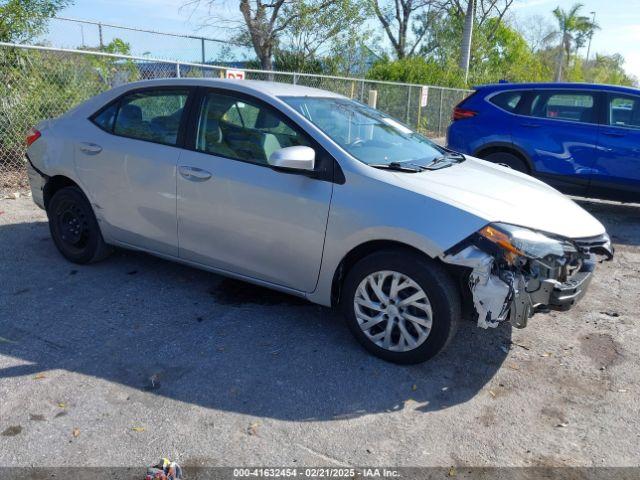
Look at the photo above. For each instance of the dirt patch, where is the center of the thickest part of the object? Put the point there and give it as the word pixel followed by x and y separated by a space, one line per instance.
pixel 12 431
pixel 601 348
pixel 555 415
pixel 488 417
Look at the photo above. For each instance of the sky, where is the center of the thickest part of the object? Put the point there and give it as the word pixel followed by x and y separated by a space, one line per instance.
pixel 619 21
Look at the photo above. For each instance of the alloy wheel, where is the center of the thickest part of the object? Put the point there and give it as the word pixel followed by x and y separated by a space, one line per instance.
pixel 393 311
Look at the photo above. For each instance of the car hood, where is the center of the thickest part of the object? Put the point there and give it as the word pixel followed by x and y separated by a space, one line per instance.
pixel 500 194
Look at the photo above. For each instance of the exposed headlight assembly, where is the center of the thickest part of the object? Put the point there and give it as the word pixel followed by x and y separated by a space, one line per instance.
pixel 524 242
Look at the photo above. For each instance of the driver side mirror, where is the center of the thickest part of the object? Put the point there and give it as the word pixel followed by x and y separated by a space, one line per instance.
pixel 299 158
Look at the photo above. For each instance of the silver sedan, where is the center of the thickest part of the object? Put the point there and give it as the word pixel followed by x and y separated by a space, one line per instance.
pixel 317 195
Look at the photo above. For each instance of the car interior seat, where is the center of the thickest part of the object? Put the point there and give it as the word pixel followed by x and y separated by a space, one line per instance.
pixel 213 140
pixel 129 122
pixel 269 141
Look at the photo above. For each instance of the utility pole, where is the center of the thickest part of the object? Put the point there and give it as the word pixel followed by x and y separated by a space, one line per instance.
pixel 100 35
pixel 593 20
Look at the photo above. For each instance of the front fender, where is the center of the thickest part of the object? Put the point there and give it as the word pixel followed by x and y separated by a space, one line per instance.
pixel 371 210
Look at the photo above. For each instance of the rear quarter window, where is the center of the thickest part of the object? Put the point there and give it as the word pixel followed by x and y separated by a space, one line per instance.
pixel 104 119
pixel 507 100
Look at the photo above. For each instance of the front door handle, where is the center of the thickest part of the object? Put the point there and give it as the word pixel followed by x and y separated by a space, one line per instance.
pixel 611 133
pixel 530 125
pixel 194 174
pixel 90 148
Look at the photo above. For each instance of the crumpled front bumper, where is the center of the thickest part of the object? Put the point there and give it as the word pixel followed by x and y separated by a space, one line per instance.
pixel 534 296
pixel 500 295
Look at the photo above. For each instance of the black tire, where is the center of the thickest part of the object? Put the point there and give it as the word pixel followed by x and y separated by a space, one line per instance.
pixel 74 227
pixel 508 159
pixel 435 281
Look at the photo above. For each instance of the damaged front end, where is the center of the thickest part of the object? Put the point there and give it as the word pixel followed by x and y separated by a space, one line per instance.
pixel 514 272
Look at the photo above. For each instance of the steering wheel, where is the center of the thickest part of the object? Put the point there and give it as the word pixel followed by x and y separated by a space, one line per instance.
pixel 358 142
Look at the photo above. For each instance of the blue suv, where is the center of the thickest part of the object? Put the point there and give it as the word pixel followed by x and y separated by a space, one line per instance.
pixel 583 139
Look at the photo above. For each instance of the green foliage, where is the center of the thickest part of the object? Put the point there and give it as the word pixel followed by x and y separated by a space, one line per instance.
pixel 36 85
pixel 296 61
pixel 608 69
pixel 326 40
pixel 23 20
pixel 416 70
pixel 498 52
pixel 114 70
pixel 573 31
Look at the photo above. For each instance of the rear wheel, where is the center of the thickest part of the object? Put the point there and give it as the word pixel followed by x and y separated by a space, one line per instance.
pixel 508 160
pixel 401 306
pixel 74 227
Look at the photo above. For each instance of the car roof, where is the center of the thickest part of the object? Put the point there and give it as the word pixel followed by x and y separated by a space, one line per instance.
pixel 274 89
pixel 562 85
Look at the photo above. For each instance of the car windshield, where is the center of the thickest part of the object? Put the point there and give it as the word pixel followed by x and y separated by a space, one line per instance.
pixel 369 135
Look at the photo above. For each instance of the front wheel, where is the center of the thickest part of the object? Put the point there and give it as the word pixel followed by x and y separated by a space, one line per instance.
pixel 401 306
pixel 74 227
pixel 507 159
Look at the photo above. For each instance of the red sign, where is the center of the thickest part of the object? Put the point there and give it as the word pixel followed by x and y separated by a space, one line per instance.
pixel 235 74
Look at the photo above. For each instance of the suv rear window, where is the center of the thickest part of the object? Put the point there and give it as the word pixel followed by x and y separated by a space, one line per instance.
pixel 507 100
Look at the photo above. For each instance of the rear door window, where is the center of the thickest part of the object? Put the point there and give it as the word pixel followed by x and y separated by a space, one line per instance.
pixel 624 111
pixel 575 106
pixel 152 115
pixel 507 100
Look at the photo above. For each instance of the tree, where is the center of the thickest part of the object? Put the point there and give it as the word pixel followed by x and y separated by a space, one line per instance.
pixel 573 30
pixel 23 20
pixel 608 69
pixel 397 20
pixel 535 30
pixel 314 33
pixel 265 21
pixel 499 52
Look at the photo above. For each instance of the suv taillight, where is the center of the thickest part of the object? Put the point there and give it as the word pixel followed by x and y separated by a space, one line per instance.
pixel 462 113
pixel 32 135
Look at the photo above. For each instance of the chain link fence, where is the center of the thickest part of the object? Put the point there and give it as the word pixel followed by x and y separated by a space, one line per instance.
pixel 74 33
pixel 42 82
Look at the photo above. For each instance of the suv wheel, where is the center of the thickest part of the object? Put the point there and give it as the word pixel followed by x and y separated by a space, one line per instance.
pixel 508 160
pixel 74 227
pixel 401 306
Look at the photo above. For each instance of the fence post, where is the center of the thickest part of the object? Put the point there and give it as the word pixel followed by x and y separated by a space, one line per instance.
pixel 100 36
pixel 295 78
pixel 177 70
pixel 408 105
pixel 440 112
pixel 373 98
pixel 362 91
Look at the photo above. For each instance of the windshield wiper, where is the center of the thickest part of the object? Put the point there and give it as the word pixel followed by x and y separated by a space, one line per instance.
pixel 455 156
pixel 446 160
pixel 399 167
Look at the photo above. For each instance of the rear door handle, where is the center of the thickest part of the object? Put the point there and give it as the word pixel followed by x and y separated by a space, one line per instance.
pixel 611 133
pixel 530 125
pixel 90 148
pixel 194 174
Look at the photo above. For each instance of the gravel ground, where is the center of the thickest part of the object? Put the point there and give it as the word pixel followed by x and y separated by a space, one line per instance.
pixel 125 361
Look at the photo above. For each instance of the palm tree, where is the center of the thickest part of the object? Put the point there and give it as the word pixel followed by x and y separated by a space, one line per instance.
pixel 573 30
